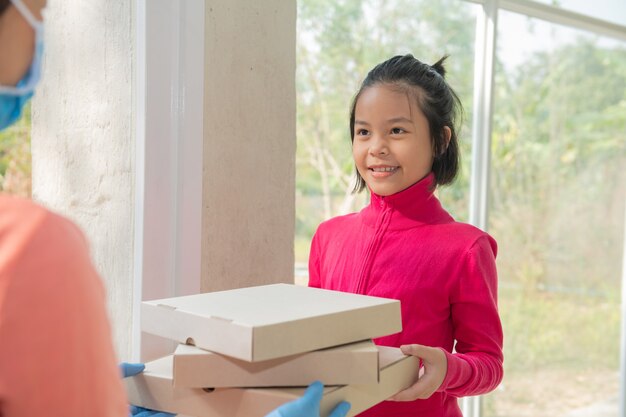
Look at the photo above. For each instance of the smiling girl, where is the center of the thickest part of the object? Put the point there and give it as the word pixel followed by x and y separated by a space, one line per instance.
pixel 405 246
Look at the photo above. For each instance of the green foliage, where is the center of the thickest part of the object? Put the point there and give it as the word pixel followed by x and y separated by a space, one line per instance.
pixel 15 158
pixel 559 148
pixel 554 330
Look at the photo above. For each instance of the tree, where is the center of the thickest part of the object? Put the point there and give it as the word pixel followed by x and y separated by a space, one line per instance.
pixel 558 151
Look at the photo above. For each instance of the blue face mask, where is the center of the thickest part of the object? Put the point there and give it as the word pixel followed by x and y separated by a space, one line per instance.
pixel 13 98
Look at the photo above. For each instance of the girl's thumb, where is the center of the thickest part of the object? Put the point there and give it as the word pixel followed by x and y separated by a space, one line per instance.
pixel 420 351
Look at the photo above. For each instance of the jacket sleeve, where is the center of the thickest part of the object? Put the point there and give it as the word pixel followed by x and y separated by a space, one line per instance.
pixel 476 367
pixel 314 263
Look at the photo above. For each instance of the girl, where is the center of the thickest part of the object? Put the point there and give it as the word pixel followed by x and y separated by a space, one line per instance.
pixel 405 246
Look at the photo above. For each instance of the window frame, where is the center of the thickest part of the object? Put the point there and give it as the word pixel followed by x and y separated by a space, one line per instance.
pixel 169 96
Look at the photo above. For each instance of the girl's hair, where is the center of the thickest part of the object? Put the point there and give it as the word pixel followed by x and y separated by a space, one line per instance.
pixel 3 5
pixel 436 100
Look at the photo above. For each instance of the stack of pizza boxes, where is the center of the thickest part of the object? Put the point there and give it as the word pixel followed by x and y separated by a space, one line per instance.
pixel 244 352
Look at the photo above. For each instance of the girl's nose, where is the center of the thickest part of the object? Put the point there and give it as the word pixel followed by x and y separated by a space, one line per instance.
pixel 378 146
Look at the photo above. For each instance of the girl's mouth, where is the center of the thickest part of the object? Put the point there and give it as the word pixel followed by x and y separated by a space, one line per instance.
pixel 382 171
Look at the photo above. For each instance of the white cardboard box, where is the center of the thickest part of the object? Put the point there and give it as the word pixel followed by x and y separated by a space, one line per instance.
pixel 154 389
pixel 354 363
pixel 271 321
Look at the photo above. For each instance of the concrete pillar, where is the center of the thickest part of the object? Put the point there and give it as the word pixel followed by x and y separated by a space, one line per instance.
pixel 249 143
pixel 82 138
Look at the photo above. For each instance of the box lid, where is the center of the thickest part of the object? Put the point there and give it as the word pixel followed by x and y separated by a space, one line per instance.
pixel 271 321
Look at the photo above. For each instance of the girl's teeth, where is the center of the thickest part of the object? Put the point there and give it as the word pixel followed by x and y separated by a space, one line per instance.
pixel 386 169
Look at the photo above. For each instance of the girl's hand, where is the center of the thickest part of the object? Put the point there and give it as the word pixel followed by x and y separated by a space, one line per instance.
pixel 435 369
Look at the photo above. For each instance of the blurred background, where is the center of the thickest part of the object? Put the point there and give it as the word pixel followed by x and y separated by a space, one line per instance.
pixel 557 174
pixel 557 177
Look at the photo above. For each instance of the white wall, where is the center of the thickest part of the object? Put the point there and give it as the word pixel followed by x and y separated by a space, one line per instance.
pixel 82 138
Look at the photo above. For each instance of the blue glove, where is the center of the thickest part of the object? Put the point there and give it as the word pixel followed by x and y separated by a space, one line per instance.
pixel 132 369
pixel 309 405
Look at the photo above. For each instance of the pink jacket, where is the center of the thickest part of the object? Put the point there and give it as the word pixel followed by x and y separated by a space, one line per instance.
pixel 407 247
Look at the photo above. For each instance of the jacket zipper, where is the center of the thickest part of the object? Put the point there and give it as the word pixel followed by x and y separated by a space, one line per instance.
pixel 372 248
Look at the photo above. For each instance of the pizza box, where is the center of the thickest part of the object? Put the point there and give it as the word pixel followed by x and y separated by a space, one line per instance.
pixel 354 363
pixel 154 389
pixel 270 321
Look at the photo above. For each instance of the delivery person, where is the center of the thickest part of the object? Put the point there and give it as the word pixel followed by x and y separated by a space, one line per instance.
pixel 56 352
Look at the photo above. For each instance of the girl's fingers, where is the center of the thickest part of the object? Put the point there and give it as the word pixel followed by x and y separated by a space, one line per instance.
pixel 422 389
pixel 423 352
pixel 435 366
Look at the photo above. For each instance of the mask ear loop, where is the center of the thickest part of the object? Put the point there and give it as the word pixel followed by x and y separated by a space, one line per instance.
pixel 26 13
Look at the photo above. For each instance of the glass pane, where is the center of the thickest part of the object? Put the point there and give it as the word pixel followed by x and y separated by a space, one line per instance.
pixel 15 158
pixel 338 42
pixel 557 212
pixel 610 10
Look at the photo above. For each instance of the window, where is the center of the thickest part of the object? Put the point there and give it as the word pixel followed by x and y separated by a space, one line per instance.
pixel 610 10
pixel 557 212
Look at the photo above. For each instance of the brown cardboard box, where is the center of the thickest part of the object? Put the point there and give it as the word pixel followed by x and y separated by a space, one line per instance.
pixel 271 321
pixel 354 363
pixel 154 389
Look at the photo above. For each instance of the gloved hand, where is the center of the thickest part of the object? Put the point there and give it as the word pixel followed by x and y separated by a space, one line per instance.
pixel 132 369
pixel 309 405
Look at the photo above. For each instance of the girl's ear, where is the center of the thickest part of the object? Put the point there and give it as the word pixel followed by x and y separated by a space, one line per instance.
pixel 447 135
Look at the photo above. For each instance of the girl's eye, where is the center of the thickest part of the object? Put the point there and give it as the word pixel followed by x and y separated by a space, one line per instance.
pixel 362 132
pixel 397 130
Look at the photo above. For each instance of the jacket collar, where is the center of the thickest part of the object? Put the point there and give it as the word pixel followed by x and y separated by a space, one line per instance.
pixel 414 206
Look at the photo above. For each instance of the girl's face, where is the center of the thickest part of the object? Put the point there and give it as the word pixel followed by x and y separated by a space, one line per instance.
pixel 392 146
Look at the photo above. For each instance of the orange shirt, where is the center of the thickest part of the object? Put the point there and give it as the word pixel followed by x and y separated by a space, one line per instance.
pixel 56 353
